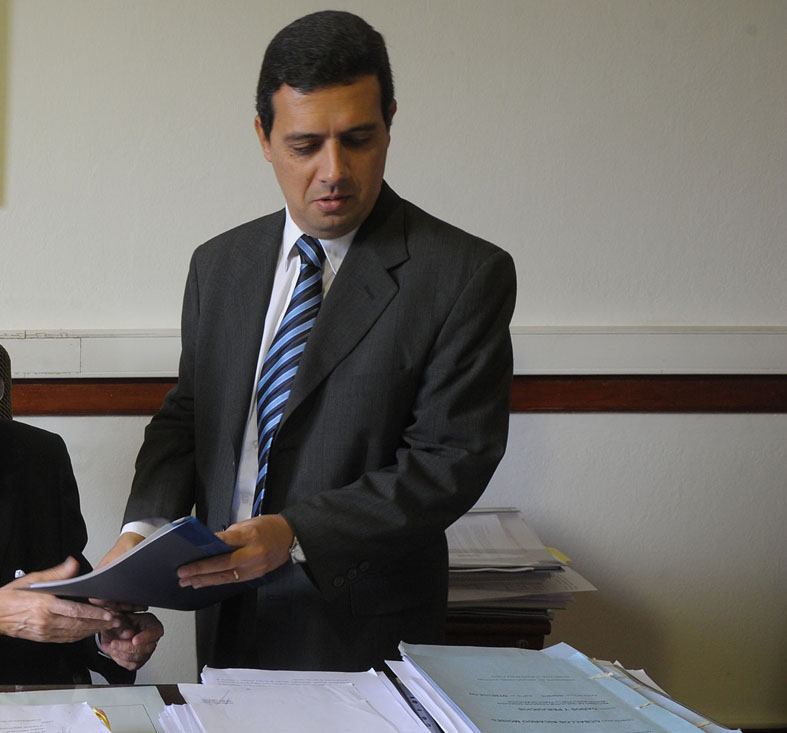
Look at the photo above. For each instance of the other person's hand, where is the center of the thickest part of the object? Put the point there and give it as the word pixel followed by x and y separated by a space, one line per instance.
pixel 131 644
pixel 43 617
pixel 126 542
pixel 262 544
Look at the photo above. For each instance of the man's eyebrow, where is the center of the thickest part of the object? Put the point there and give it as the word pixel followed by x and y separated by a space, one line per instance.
pixel 298 137
pixel 368 127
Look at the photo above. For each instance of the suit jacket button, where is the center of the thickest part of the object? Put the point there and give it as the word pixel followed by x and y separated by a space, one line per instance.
pixel 352 574
pixel 338 581
pixel 364 566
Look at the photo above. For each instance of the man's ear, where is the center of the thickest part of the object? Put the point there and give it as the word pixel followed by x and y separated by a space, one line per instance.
pixel 393 112
pixel 266 144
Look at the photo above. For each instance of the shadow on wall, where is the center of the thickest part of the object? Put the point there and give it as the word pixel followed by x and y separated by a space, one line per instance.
pixel 4 64
pixel 610 625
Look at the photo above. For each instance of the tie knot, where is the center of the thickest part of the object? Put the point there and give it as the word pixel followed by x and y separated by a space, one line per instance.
pixel 311 251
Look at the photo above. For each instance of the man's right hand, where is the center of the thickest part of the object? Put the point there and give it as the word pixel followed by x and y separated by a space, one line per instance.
pixel 43 617
pixel 125 542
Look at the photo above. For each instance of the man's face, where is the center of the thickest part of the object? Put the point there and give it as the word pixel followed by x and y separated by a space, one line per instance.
pixel 328 151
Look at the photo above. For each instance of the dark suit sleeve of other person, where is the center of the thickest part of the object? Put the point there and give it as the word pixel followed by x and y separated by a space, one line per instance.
pixel 397 417
pixel 42 525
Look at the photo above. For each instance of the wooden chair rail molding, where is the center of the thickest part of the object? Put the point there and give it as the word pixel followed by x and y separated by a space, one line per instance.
pixel 742 393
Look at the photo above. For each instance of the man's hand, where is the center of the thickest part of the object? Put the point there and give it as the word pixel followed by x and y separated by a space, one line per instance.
pixel 263 544
pixel 131 645
pixel 43 617
pixel 126 542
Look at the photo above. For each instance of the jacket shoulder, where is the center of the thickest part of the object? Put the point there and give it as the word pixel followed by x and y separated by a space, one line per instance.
pixel 22 439
pixel 433 239
pixel 249 234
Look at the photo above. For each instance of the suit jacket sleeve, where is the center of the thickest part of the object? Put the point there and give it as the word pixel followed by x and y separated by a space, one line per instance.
pixel 163 485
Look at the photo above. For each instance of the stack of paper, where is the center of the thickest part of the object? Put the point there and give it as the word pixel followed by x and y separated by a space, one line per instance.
pixel 240 700
pixel 499 566
pixel 50 718
pixel 129 709
pixel 494 690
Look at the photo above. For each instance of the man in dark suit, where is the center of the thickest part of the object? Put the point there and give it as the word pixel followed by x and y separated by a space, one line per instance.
pixel 44 639
pixel 396 416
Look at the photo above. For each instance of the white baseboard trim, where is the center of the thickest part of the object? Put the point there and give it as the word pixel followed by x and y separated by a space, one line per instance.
pixel 556 350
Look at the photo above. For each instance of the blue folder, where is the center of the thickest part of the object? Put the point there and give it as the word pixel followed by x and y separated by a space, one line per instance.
pixel 147 574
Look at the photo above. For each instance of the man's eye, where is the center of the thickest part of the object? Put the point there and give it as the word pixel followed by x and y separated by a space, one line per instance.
pixel 304 149
pixel 357 141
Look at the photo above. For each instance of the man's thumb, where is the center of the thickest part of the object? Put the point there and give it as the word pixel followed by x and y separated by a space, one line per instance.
pixel 67 569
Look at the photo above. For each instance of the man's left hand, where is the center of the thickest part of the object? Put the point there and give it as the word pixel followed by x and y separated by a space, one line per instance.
pixel 131 645
pixel 262 544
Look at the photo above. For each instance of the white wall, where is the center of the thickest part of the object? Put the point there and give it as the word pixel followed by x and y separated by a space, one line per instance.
pixel 631 155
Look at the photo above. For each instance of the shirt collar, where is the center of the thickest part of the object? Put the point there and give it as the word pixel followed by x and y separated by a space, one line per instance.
pixel 335 249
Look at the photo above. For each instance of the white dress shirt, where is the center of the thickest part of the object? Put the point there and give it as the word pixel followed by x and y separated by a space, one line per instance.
pixel 285 277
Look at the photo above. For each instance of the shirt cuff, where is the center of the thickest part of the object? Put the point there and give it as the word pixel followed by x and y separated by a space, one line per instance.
pixel 297 554
pixel 145 527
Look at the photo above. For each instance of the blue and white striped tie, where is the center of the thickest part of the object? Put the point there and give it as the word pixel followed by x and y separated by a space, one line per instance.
pixel 284 354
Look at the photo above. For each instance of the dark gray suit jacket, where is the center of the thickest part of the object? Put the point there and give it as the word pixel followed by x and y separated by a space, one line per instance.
pixel 396 420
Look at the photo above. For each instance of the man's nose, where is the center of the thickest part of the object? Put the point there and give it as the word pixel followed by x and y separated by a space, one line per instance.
pixel 333 166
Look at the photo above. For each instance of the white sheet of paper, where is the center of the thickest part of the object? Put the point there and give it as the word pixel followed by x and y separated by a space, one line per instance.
pixel 68 718
pixel 133 709
pixel 490 539
pixel 371 685
pixel 302 708
pixel 505 586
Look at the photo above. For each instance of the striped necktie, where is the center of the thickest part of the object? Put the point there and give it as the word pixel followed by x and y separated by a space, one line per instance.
pixel 284 354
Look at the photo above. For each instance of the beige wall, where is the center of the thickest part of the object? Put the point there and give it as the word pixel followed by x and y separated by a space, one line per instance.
pixel 631 155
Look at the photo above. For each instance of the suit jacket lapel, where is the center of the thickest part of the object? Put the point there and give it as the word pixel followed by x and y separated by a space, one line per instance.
pixel 360 293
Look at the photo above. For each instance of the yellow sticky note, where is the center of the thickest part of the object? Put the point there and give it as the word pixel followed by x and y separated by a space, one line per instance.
pixel 559 555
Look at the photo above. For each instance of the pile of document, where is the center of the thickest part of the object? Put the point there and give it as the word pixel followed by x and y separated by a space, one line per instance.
pixel 128 710
pixel 498 566
pixel 503 690
pixel 241 700
pixel 434 689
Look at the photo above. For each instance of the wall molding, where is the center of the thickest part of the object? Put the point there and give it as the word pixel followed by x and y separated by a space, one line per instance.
pixel 551 393
pixel 564 369
pixel 537 351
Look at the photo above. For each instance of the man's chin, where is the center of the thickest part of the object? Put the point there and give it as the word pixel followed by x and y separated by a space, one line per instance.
pixel 332 226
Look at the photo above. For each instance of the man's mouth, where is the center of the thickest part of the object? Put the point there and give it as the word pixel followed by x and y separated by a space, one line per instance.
pixel 332 204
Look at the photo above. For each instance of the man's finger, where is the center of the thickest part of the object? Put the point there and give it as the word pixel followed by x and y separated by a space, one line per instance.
pixel 67 569
pixel 210 566
pixel 85 611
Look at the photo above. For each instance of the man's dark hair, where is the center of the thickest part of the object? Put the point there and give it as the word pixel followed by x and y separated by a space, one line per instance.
pixel 323 49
